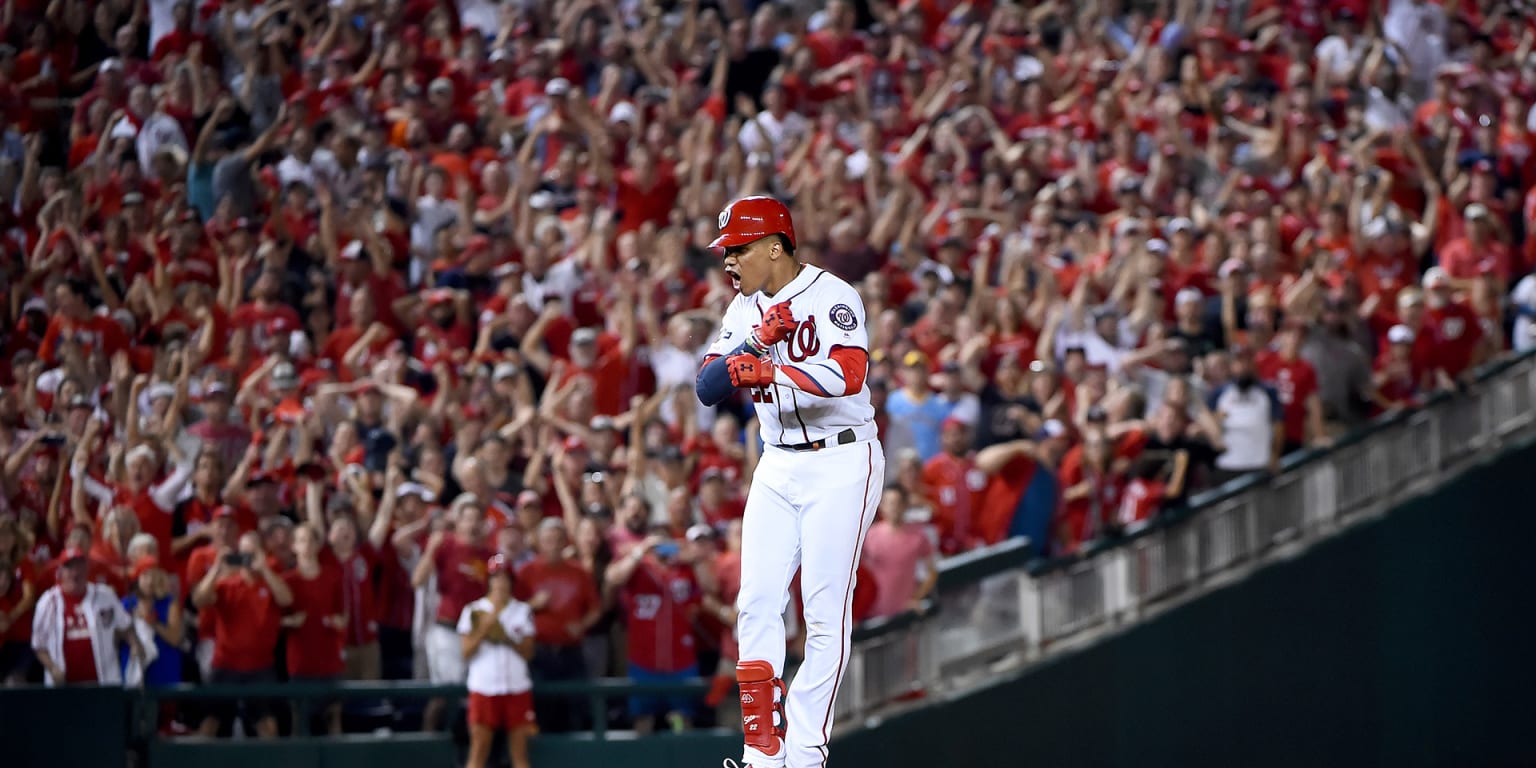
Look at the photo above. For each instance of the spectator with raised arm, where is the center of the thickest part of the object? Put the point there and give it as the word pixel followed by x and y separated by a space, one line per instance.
pixel 455 560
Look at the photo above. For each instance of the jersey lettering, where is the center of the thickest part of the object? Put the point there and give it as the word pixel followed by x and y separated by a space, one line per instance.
pixel 647 606
pixel 804 343
pixel 1452 327
pixel 821 304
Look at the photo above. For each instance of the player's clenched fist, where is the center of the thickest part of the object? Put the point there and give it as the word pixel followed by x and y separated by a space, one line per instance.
pixel 778 325
pixel 749 370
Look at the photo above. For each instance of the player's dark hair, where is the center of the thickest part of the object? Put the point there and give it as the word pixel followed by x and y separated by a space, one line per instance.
pixel 784 243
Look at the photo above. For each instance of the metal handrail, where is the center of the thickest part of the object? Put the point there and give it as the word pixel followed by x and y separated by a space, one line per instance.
pixel 596 691
pixel 1000 609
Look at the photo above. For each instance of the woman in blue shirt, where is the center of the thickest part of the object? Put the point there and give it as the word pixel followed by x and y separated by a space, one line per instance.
pixel 150 598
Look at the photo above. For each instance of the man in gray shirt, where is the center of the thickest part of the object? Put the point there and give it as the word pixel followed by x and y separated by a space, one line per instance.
pixel 1333 346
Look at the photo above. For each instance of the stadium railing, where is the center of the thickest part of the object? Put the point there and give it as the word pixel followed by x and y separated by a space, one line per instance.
pixel 599 693
pixel 1000 608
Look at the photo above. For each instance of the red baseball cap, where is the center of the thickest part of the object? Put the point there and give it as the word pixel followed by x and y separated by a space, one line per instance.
pixel 753 218
pixel 71 555
pixel 143 564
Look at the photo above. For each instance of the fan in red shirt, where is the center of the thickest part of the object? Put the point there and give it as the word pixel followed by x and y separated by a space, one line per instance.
pixel 1148 489
pixel 1424 339
pixel 257 315
pixel 246 599
pixel 1459 333
pixel 608 370
pixel 183 40
pixel 717 503
pixel 1397 384
pixel 224 536
pixel 645 192
pixel 153 505
pixel 18 593
pixel 357 564
pixel 565 603
pixel 448 327
pixel 660 597
pixel 458 560
pixel 954 486
pixel 719 604
pixel 1091 491
pixel 1461 257
pixel 316 619
pixel 1295 382
pixel 75 323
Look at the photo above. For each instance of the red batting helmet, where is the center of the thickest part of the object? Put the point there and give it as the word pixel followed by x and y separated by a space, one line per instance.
pixel 753 218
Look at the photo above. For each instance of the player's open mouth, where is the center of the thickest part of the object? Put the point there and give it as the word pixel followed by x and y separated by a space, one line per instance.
pixel 735 278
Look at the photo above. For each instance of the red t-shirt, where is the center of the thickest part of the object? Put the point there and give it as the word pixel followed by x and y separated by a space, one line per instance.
pixel 79 650
pixel 314 649
pixel 1000 499
pixel 728 579
pixel 358 596
pixel 1075 520
pixel 954 488
pixel 1458 333
pixel 638 205
pixel 157 522
pixel 199 562
pixel 246 621
pixel 92 333
pixel 608 377
pixel 258 320
pixel 659 604
pixel 572 593
pixel 1142 500
pixel 730 508
pixel 20 631
pixel 1294 381
pixel 461 577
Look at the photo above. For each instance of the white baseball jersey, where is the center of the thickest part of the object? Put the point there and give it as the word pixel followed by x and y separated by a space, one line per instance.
pixel 807 400
pixel 497 670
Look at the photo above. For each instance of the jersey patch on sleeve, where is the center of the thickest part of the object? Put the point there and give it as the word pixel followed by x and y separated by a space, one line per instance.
pixel 842 316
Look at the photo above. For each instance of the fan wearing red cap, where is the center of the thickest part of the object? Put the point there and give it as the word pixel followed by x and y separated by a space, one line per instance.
pixel 795 339
pixel 497 634
pixel 76 625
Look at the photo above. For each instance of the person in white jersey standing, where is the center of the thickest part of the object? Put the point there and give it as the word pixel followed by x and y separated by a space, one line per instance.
pixel 497 634
pixel 795 339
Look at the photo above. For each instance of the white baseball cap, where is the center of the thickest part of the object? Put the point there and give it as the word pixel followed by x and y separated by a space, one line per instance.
pixel 415 489
pixel 1400 334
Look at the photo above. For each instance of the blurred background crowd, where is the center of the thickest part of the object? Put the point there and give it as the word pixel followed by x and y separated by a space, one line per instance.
pixel 311 308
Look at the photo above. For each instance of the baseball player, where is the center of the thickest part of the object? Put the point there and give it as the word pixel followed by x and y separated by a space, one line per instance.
pixel 795 339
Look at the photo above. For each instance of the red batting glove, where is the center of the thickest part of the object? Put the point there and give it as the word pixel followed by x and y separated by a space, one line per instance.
pixel 749 370
pixel 778 325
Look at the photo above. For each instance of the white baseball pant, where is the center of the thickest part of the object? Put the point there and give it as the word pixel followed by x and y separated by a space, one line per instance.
pixel 808 511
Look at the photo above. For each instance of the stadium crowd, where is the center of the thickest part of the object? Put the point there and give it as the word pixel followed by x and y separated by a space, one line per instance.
pixel 315 309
